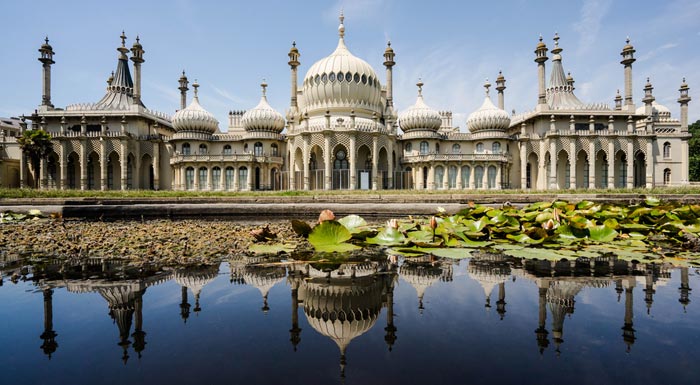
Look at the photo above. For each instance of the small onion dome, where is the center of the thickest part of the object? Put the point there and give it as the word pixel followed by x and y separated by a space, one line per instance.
pixel 420 116
pixel 656 109
pixel 46 46
pixel 627 46
pixel 137 44
pixel 488 116
pixel 194 117
pixel 541 44
pixel 263 117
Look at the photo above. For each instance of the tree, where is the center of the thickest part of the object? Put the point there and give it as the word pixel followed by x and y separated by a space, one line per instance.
pixel 36 144
pixel 694 152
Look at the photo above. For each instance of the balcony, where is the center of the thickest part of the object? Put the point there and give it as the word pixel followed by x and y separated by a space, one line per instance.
pixel 221 158
pixel 433 157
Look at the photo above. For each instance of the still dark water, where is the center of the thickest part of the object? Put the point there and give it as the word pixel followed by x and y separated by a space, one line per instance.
pixel 490 320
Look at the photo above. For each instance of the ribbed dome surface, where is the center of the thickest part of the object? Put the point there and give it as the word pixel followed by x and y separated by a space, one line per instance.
pixel 195 118
pixel 263 117
pixel 488 117
pixel 656 108
pixel 420 116
pixel 342 80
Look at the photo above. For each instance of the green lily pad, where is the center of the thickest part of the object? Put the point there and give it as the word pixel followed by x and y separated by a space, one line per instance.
pixel 524 238
pixel 602 233
pixel 352 222
pixel 331 236
pixel 652 201
pixel 388 237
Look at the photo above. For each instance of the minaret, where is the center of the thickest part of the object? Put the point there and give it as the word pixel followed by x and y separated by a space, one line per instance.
pixel 627 328
pixel 184 306
pixel 49 335
pixel 618 101
pixel 685 289
pixel 648 98
pixel 541 331
pixel 570 81
pixel 501 303
pixel 183 90
pixel 649 290
pixel 46 59
pixel 500 87
pixel 137 57
pixel 295 331
pixel 389 64
pixel 540 59
pixel 627 60
pixel 139 335
pixel 390 336
pixel 683 100
pixel 294 64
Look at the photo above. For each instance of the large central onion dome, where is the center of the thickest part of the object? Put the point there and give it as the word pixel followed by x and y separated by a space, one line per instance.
pixel 656 109
pixel 195 118
pixel 488 116
pixel 420 116
pixel 342 80
pixel 263 117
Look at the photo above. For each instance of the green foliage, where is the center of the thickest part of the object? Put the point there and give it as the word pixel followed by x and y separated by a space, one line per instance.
pixel 331 236
pixel 36 144
pixel 694 151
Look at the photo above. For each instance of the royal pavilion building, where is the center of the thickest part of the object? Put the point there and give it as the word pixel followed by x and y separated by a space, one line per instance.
pixel 342 131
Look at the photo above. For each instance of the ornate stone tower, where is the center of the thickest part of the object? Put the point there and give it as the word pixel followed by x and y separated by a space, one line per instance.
pixel 46 59
pixel 540 59
pixel 627 60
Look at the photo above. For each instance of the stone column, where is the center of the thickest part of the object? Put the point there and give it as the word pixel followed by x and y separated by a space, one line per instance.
pixel 472 177
pixel 196 178
pixel 630 164
pixel 83 164
pixel 137 166
pixel 592 160
pixel 649 159
pixel 418 177
pixel 499 185
pixel 307 157
pixel 63 171
pixel 611 165
pixel 390 170
pixel 43 175
pixel 210 179
pixel 125 162
pixel 542 173
pixel 353 161
pixel 431 178
pixel 183 178
pixel 459 177
pixel 375 162
pixel 573 158
pixel 523 166
pixel 103 165
pixel 156 166
pixel 327 159
pixel 552 164
pixel 250 177
pixel 236 183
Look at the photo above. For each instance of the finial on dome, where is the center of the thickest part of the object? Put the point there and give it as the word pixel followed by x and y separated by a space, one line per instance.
pixel 195 85
pixel 627 40
pixel 264 87
pixel 487 85
pixel 341 27
pixel 556 39
pixel 540 37
pixel 420 87
pixel 46 40
pixel 123 37
pixel 294 43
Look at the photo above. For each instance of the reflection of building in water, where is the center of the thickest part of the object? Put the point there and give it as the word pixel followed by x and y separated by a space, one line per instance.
pixel 259 272
pixel 423 272
pixel 489 270
pixel 49 335
pixel 684 290
pixel 194 278
pixel 343 303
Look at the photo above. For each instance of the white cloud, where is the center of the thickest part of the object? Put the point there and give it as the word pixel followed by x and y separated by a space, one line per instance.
pixel 655 52
pixel 592 14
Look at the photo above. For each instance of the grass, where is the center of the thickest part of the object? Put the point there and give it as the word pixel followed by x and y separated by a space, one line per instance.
pixel 32 193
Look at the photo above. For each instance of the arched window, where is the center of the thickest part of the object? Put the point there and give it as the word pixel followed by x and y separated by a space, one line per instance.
pixel 227 150
pixel 452 177
pixel 275 149
pixel 622 171
pixel 496 147
pixel 243 178
pixel 667 176
pixel 424 148
pixel 185 149
pixel 408 147
pixel 202 149
pixel 189 178
pixel 258 149
pixel 341 160
pixel 479 148
pixel 491 177
pixel 478 177
pixel 216 178
pixel 437 148
pixel 667 150
pixel 456 148
pixel 203 173
pixel 229 178
pixel 466 173
pixel 439 175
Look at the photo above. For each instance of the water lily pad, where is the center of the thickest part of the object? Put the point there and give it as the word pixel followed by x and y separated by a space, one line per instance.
pixel 602 233
pixel 524 238
pixel 272 249
pixel 652 201
pixel 331 236
pixel 388 237
pixel 352 222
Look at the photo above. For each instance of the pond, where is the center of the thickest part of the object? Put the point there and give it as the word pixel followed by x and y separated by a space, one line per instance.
pixel 491 318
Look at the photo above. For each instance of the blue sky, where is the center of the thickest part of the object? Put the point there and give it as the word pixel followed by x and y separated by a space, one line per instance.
pixel 229 47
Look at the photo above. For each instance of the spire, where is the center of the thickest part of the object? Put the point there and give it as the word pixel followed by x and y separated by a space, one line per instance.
pixel 195 86
pixel 123 50
pixel 560 92
pixel 420 88
pixel 341 27
pixel 487 85
pixel 263 85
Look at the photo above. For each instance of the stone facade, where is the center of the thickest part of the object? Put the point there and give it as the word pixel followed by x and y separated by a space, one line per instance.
pixel 342 131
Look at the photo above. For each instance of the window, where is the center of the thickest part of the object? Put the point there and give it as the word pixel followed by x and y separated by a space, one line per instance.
pixel 456 148
pixel 331 77
pixel 667 150
pixel 437 148
pixel 340 77
pixel 324 78
pixel 258 149
pixel 317 79
pixel 227 149
pixel 364 79
pixel 622 172
pixel 466 173
pixel 586 172
pixel 341 162
pixel 667 176
pixel 491 180
pixel 348 77
pixel 275 149
pixel 189 178
pixel 185 149
pixel 496 148
pixel 452 177
pixel 439 175
pixel 202 149
pixel 567 176
pixel 528 175
pixel 216 178
pixel 229 178
pixel 479 148
pixel 243 178
pixel 604 177
pixel 478 177
pixel 424 148
pixel 203 172
pixel 408 147
pixel 356 78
